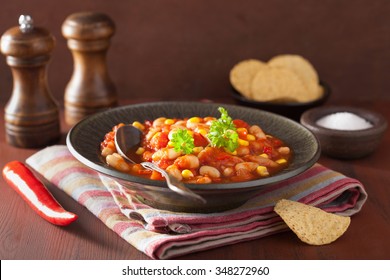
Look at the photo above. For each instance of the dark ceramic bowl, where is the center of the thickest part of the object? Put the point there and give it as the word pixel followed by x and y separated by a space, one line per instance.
pixel 84 140
pixel 346 144
pixel 292 110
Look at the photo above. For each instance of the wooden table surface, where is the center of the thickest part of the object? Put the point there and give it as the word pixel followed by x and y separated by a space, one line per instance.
pixel 24 235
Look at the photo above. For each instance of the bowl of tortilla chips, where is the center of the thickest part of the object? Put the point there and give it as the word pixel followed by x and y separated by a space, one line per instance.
pixel 287 84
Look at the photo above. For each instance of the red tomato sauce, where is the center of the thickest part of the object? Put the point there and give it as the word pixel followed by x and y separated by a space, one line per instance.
pixel 256 154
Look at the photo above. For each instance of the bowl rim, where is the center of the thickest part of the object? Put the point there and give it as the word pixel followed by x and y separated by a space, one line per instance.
pixel 310 117
pixel 327 91
pixel 199 187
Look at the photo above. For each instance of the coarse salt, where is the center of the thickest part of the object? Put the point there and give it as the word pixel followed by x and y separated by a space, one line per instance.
pixel 344 121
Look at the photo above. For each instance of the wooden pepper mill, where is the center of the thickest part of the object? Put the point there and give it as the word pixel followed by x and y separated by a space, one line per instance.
pixel 90 88
pixel 31 114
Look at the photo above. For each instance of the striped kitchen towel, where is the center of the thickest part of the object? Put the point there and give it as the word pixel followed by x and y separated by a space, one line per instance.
pixel 163 234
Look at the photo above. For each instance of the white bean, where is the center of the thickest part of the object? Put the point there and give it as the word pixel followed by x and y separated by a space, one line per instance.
pixel 248 166
pixel 284 150
pixel 179 125
pixel 262 161
pixel 152 132
pixel 175 172
pixel 243 150
pixel 200 180
pixel 107 151
pixel 165 153
pixel 158 155
pixel 203 180
pixel 170 153
pixel 209 171
pixel 187 162
pixel 257 131
pixel 228 171
pixel 159 122
pixel 117 162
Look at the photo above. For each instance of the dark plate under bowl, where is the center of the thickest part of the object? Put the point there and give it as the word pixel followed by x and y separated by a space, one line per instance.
pixel 292 110
pixel 84 140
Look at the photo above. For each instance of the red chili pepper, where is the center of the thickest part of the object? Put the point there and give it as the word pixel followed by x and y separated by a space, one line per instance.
pixel 34 192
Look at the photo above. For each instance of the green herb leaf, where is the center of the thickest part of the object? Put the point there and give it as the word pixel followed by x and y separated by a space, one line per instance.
pixel 182 141
pixel 223 132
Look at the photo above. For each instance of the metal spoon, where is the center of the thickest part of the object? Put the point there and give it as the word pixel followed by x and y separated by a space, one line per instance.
pixel 128 136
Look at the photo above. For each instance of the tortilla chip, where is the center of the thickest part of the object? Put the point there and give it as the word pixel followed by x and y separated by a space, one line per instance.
pixel 274 83
pixel 296 63
pixel 242 74
pixel 311 224
pixel 304 69
pixel 283 79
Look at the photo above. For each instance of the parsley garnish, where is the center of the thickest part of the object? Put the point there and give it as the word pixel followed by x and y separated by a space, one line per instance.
pixel 223 132
pixel 182 141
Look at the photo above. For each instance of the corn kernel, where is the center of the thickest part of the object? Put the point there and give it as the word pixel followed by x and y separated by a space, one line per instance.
pixel 195 120
pixel 170 144
pixel 241 130
pixel 169 121
pixel 243 142
pixel 281 161
pixel 187 174
pixel 138 125
pixel 140 151
pixel 250 137
pixel 264 155
pixel 262 171
pixel 202 131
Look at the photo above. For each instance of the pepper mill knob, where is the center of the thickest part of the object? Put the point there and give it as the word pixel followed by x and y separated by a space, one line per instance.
pixel 90 88
pixel 31 114
pixel 26 23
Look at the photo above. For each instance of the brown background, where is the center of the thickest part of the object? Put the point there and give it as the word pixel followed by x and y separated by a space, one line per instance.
pixel 170 49
pixel 162 49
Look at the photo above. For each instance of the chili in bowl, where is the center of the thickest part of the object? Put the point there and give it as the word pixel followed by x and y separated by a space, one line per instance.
pixel 201 150
pixel 268 149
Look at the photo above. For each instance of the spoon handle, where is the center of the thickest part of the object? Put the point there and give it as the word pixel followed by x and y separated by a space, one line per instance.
pixel 173 183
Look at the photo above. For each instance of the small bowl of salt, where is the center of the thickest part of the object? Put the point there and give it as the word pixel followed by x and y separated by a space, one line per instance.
pixel 345 132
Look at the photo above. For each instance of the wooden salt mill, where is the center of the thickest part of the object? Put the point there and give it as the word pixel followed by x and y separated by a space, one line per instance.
pixel 90 88
pixel 31 114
